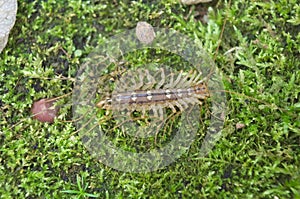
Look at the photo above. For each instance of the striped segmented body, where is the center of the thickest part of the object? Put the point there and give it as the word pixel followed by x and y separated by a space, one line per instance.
pixel 139 91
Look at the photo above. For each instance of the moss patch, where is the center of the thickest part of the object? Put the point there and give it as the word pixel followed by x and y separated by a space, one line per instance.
pixel 259 60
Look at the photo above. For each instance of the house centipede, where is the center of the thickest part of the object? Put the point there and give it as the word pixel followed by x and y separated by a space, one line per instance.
pixel 151 94
pixel 133 94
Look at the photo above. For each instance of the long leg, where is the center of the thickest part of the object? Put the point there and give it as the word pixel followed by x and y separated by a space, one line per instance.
pixel 125 83
pixel 161 113
pixel 187 83
pixel 151 81
pixel 171 106
pixel 154 109
pixel 122 85
pixel 177 80
pixel 141 77
pixel 192 100
pixel 171 82
pixel 196 79
pixel 134 83
pixel 176 103
pixel 162 81
pixel 201 96
pixel 143 112
pixel 181 101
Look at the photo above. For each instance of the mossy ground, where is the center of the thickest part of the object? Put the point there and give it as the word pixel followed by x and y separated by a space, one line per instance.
pixel 258 57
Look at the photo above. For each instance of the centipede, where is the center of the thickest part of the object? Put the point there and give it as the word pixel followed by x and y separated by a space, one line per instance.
pixel 152 96
pixel 146 93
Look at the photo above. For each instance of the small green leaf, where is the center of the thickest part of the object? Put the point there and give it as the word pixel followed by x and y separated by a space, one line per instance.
pixel 78 53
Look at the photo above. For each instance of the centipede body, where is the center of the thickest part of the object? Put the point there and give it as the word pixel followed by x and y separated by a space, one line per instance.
pixel 141 91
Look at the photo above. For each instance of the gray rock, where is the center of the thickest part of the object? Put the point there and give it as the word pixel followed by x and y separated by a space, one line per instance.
pixel 144 32
pixel 8 12
pixel 192 2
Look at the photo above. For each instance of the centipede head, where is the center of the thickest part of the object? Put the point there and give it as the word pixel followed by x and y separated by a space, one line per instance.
pixel 202 89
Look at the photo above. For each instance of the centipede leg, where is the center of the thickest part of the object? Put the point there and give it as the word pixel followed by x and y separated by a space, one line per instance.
pixel 176 103
pixel 177 80
pixel 154 109
pixel 162 81
pixel 185 82
pixel 143 113
pixel 141 77
pixel 192 100
pixel 192 78
pixel 196 79
pixel 170 105
pixel 121 85
pixel 182 82
pixel 171 82
pixel 181 101
pixel 161 113
pixel 132 81
pixel 200 96
pixel 151 81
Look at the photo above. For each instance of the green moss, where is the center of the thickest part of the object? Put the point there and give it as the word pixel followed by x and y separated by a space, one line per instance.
pixel 259 60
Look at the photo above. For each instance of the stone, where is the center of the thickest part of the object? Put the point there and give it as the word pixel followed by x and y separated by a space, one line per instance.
pixel 44 110
pixel 144 32
pixel 193 2
pixel 8 12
